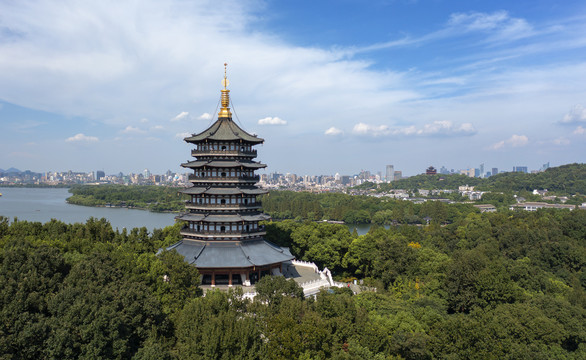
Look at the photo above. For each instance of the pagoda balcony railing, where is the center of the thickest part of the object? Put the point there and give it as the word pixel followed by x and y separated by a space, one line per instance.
pixel 223 234
pixel 248 178
pixel 194 205
pixel 198 152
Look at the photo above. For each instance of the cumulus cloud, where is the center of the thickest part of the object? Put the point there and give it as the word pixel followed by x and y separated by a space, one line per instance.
pixel 576 115
pixel 513 141
pixel 436 128
pixel 370 130
pixel 446 128
pixel 333 131
pixel 182 115
pixel 579 131
pixel 204 116
pixel 272 121
pixel 157 128
pixel 132 130
pixel 81 138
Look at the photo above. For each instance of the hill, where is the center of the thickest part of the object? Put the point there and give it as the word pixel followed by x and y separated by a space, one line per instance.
pixel 567 179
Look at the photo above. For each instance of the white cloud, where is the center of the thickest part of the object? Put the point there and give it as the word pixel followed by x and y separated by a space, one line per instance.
pixel 561 141
pixel 272 121
pixel 518 140
pixel 579 131
pixel 157 128
pixel 82 138
pixel 334 131
pixel 498 145
pixel 182 115
pixel 370 130
pixel 144 120
pixel 513 141
pixel 132 130
pixel 204 116
pixel 576 115
pixel 499 25
pixel 182 135
pixel 436 128
pixel 446 128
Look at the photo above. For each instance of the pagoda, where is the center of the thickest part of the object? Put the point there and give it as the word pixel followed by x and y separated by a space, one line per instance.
pixel 222 236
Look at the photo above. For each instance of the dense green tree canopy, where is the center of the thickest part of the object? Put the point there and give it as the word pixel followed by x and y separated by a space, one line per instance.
pixel 507 285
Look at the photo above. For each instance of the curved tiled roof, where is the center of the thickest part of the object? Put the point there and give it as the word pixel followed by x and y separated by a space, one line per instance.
pixel 222 130
pixel 231 254
pixel 196 190
pixel 222 218
pixel 223 164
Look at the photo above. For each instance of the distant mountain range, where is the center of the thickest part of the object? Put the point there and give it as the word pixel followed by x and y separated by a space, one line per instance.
pixel 10 171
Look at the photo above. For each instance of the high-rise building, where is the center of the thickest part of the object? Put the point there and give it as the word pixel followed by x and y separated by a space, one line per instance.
pixel 398 175
pixel 495 171
pixel 223 238
pixel 100 175
pixel 390 173
pixel 522 169
pixel 481 170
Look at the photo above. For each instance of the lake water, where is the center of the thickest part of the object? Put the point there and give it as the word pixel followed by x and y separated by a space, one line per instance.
pixel 44 204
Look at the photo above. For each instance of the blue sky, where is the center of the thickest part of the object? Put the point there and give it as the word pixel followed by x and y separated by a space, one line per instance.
pixel 332 86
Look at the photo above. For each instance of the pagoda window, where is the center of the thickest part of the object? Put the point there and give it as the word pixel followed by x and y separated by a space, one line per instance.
pixel 224 148
pixel 222 229
pixel 242 148
pixel 198 228
pixel 223 201
pixel 200 201
pixel 223 174
pixel 247 227
pixel 245 201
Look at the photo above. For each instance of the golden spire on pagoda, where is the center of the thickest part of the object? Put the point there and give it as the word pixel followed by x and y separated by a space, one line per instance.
pixel 225 110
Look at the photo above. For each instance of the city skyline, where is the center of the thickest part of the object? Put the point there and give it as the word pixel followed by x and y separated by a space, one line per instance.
pixel 349 85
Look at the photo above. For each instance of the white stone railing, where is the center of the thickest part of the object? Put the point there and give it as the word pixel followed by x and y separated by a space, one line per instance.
pixel 313 287
pixel 305 264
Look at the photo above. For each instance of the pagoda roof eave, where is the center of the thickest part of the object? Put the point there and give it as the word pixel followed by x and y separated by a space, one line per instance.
pixel 224 129
pixel 225 164
pixel 222 191
pixel 215 218
pixel 238 254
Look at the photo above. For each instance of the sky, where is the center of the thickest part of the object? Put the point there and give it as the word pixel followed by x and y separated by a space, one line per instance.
pixel 332 86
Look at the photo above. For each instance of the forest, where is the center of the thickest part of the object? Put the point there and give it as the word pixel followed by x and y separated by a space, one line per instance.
pixel 506 285
pixel 147 197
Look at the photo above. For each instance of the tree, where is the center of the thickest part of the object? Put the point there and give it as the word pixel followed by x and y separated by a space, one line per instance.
pixel 272 289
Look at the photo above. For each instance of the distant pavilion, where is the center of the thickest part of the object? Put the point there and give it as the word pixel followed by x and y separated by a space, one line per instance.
pixel 222 236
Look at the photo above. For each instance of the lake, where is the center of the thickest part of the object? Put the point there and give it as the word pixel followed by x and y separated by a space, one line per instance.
pixel 44 204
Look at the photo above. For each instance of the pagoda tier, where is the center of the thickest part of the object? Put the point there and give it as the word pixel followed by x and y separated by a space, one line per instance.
pixel 222 236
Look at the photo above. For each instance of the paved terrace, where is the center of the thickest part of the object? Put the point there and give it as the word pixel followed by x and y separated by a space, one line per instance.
pixel 303 273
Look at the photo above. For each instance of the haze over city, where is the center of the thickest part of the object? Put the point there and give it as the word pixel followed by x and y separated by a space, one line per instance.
pixel 333 87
